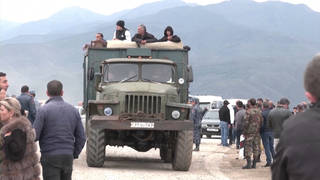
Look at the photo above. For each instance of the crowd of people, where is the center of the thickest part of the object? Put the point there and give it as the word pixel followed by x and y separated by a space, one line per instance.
pixel 22 124
pixel 141 37
pixel 290 138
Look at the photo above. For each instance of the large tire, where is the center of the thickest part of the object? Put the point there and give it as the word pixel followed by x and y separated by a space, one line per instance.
pixel 183 151
pixel 95 148
pixel 166 154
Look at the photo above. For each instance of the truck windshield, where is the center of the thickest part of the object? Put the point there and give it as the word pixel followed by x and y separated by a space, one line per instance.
pixel 121 72
pixel 162 73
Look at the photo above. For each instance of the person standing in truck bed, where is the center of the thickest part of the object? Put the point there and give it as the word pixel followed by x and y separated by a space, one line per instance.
pixel 168 35
pixel 143 37
pixel 121 33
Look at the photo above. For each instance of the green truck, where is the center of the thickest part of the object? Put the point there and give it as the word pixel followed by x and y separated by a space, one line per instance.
pixel 138 97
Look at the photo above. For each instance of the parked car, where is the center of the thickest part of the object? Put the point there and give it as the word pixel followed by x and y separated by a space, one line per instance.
pixel 210 124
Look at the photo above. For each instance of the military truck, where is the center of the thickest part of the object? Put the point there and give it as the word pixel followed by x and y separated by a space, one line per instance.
pixel 137 96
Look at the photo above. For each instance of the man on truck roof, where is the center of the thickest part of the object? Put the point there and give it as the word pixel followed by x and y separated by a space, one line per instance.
pixel 143 37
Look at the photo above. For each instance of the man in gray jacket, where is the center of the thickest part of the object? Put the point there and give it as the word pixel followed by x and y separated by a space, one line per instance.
pixel 239 121
pixel 276 118
pixel 60 133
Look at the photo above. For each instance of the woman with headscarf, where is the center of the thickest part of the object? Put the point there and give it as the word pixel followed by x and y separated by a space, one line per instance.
pixel 18 157
pixel 121 32
pixel 168 35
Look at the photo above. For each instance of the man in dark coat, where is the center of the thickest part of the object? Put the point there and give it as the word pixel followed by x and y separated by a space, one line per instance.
pixel 298 152
pixel 143 37
pixel 224 116
pixel 27 103
pixel 267 134
pixel 60 133
pixel 196 116
pixel 277 117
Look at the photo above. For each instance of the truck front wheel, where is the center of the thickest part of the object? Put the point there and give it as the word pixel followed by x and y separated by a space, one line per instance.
pixel 183 151
pixel 95 147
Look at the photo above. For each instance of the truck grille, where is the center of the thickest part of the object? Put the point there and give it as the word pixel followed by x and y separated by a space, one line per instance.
pixel 141 103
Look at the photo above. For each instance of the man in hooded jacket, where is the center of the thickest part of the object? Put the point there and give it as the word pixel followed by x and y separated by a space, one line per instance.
pixel 168 35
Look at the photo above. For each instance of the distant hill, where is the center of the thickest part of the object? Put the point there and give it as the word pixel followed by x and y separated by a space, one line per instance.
pixel 295 21
pixel 239 49
pixel 65 21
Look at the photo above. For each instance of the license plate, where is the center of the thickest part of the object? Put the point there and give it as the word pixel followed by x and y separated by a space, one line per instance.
pixel 211 129
pixel 142 125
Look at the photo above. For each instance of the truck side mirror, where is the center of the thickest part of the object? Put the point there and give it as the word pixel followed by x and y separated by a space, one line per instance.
pixel 97 81
pixel 190 73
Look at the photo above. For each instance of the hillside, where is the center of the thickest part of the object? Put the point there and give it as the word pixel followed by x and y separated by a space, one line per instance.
pixel 230 56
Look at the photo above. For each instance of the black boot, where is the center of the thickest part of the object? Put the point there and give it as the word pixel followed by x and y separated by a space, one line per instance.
pixel 197 148
pixel 268 164
pixel 258 159
pixel 248 165
pixel 254 164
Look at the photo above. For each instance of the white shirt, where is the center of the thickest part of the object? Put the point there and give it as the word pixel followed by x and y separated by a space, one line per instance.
pixel 127 33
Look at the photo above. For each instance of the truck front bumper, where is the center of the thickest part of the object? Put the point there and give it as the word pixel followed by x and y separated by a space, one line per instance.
pixel 114 123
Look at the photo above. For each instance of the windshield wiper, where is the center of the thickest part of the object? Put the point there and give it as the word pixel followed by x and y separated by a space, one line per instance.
pixel 149 80
pixel 128 78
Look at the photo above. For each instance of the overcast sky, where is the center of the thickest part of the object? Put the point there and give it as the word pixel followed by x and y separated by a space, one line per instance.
pixel 31 10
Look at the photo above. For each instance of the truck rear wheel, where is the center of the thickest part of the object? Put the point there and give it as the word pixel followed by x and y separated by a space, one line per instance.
pixel 95 148
pixel 183 151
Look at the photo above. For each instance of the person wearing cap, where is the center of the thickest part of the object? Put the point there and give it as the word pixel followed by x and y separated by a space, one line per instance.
pixel 277 117
pixel 143 37
pixel 121 32
pixel 196 117
pixel 224 116
pixel 19 158
pixel 298 152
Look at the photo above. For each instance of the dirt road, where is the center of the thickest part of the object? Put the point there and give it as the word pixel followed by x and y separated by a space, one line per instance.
pixel 211 162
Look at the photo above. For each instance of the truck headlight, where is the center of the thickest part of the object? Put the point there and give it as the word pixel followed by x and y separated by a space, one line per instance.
pixel 107 111
pixel 175 114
